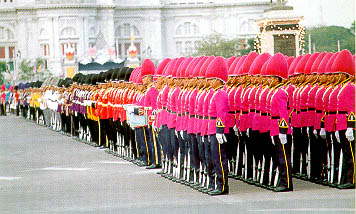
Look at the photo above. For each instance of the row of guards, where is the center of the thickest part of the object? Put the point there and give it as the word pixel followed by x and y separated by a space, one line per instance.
pixel 259 118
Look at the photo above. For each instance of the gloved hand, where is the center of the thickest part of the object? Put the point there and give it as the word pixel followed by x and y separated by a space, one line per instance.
pixel 130 109
pixel 272 140
pixel 315 132
pixel 283 138
pixel 219 137
pixel 236 130
pixel 224 138
pixel 248 132
pixel 323 133
pixel 182 134
pixel 202 139
pixel 176 133
pixel 350 134
pixel 337 136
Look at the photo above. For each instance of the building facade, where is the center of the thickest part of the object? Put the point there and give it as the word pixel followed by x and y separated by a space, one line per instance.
pixel 31 29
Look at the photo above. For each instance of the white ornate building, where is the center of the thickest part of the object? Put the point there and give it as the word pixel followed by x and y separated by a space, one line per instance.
pixel 162 28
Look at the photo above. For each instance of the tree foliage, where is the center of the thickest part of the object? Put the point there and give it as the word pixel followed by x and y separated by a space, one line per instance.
pixel 26 72
pixel 325 38
pixel 3 69
pixel 217 45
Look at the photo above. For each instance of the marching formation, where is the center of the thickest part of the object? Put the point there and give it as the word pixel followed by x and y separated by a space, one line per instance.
pixel 259 118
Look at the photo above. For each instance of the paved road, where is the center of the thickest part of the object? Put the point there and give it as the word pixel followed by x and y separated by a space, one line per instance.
pixel 42 171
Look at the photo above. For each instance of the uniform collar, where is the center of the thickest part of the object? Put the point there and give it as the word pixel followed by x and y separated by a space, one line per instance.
pixel 279 85
pixel 346 81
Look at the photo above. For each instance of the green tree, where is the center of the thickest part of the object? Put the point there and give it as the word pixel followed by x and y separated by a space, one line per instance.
pixel 3 69
pixel 325 38
pixel 26 74
pixel 217 45
pixel 352 28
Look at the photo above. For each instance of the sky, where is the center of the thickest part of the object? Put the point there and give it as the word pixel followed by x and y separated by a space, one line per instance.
pixel 325 12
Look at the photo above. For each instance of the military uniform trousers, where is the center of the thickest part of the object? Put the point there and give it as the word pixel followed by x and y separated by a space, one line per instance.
pixel 219 161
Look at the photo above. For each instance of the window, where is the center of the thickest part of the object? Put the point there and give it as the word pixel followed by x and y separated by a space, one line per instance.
pixel 2 52
pixel 138 47
pixel 188 47
pixel 120 48
pixel 10 35
pixel 118 32
pixel 127 45
pixel 11 52
pixel 135 31
pixel 127 30
pixel 2 33
pixel 179 47
pixel 187 28
pixel 92 33
pixel 123 39
pixel 45 50
pixel 66 45
pixel 187 36
pixel 68 32
pixel 179 30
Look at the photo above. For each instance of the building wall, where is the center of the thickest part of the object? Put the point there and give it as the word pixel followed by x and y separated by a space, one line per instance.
pixel 162 28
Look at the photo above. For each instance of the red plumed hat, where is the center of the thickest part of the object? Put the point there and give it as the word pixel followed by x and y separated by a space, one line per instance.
pixel 324 62
pixel 278 66
pixel 239 64
pixel 328 67
pixel 191 66
pixel 3 87
pixel 170 67
pixel 217 69
pixel 290 60
pixel 244 69
pixel 230 60
pixel 139 76
pixel 176 66
pixel 310 62
pixel 183 66
pixel 344 63
pixel 205 66
pixel 257 64
pixel 147 68
pixel 264 71
pixel 161 67
pixel 132 75
pixel 232 67
pixel 317 61
pixel 293 65
pixel 196 69
pixel 299 69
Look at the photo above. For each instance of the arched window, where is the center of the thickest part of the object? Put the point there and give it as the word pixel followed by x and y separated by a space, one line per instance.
pixel 118 32
pixel 179 30
pixel 127 30
pixel 92 32
pixel 43 33
pixel 68 32
pixel 244 26
pixel 187 29
pixel 187 37
pixel 135 31
pixel 7 48
pixel 123 34
pixel 6 34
